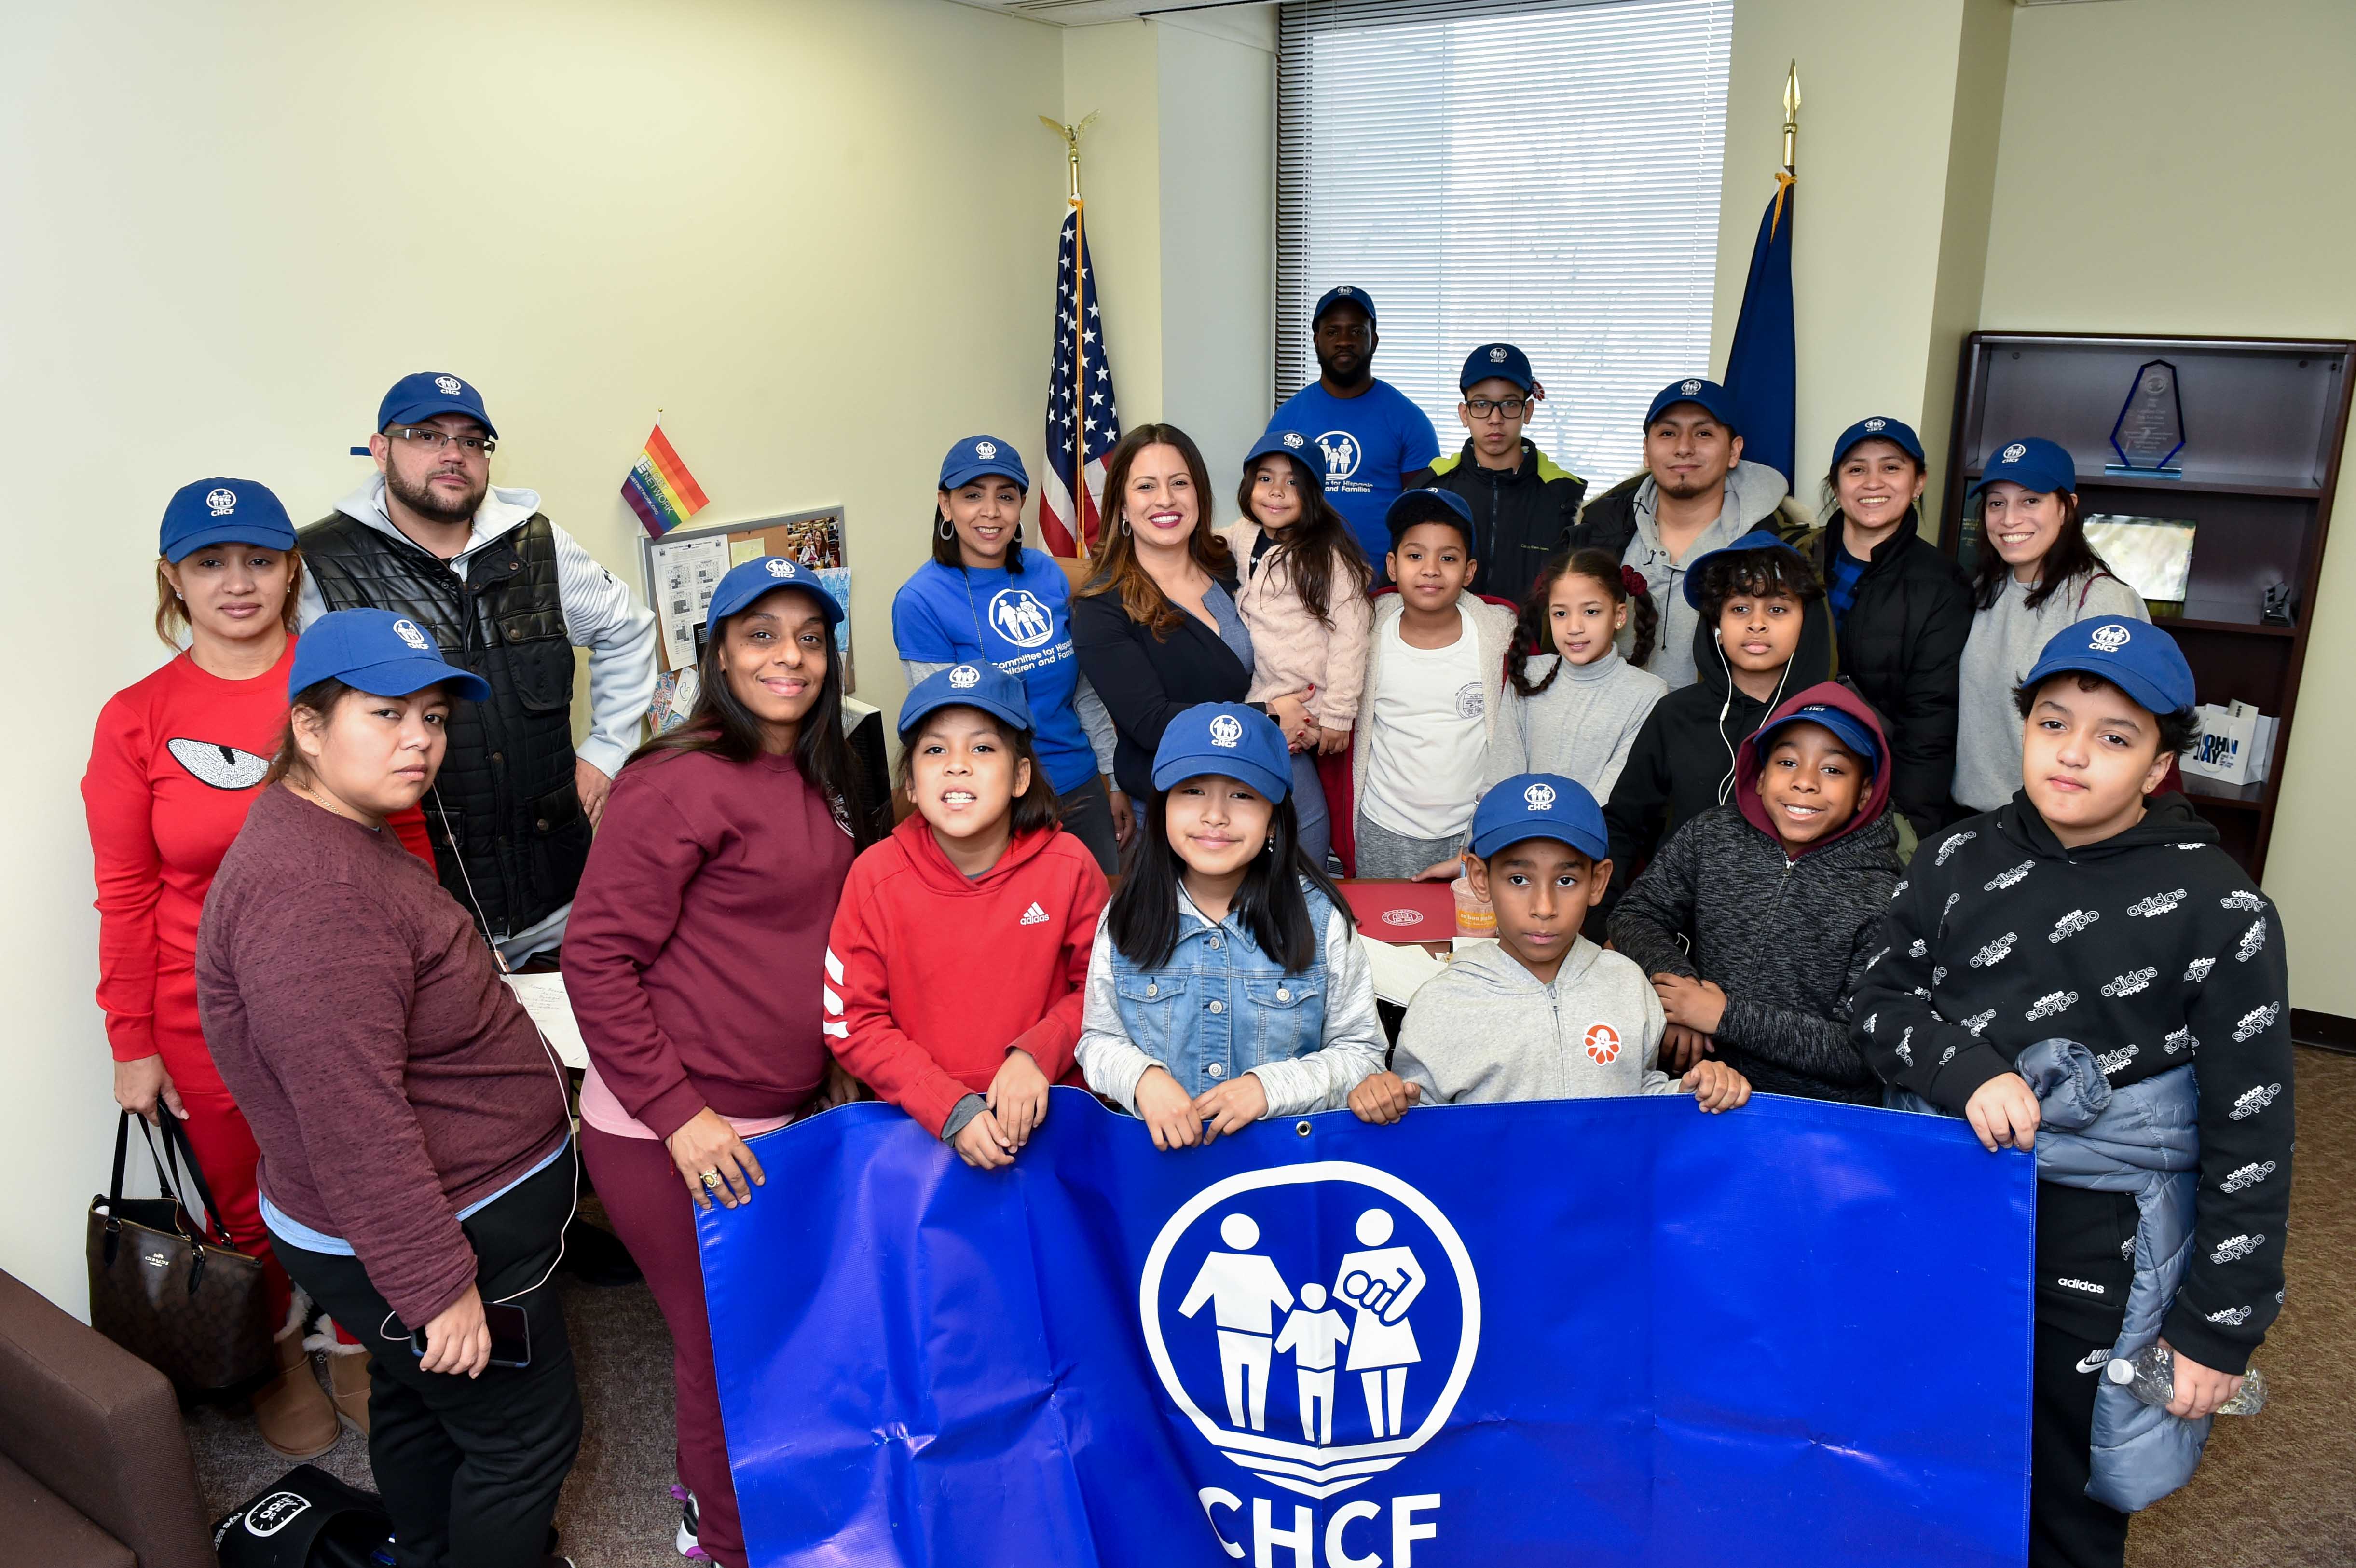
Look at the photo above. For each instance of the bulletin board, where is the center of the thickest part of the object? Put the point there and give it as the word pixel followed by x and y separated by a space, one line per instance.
pixel 681 568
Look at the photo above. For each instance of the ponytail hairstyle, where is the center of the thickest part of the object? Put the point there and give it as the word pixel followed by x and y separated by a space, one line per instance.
pixel 1272 902
pixel 1533 634
pixel 320 700
pixel 1320 547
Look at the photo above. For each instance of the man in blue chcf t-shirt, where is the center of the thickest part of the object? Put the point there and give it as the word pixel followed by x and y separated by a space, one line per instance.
pixel 1370 433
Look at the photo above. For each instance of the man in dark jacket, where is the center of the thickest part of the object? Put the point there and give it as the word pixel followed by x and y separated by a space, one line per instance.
pixel 1756 918
pixel 1909 612
pixel 1523 504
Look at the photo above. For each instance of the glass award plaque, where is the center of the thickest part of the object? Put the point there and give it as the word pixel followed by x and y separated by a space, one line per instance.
pixel 2149 430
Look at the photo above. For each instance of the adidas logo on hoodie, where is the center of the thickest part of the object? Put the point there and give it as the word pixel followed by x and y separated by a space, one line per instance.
pixel 1034 915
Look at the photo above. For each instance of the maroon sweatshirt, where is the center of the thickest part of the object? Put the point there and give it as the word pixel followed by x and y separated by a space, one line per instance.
pixel 696 945
pixel 390 1078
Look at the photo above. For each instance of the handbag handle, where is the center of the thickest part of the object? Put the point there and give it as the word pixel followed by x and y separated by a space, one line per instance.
pixel 176 1140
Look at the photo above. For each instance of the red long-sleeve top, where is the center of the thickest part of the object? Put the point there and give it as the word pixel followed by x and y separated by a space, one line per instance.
pixel 932 978
pixel 175 765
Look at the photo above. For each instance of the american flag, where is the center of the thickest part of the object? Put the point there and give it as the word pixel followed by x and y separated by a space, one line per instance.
pixel 1080 406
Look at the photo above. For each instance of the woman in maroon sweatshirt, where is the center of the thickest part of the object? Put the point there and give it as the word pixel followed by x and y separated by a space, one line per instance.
pixel 707 898
pixel 412 1128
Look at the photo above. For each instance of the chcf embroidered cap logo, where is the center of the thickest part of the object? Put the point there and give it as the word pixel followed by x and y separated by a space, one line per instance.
pixel 1602 1043
pixel 1226 729
pixel 965 677
pixel 985 449
pixel 2014 453
pixel 1689 388
pixel 275 1513
pixel 446 385
pixel 1341 1269
pixel 408 631
pixel 1294 439
pixel 1020 618
pixel 2109 637
pixel 221 501
pixel 781 567
pixel 1497 353
pixel 1877 425
pixel 1538 796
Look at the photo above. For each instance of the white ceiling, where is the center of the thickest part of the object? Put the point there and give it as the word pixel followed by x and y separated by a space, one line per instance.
pixel 1087 13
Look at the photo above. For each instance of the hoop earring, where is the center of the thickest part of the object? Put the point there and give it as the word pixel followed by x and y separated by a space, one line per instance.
pixel 941 528
pixel 1124 522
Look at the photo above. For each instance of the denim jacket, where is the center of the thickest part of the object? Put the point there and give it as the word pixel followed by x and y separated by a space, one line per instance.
pixel 1220 1006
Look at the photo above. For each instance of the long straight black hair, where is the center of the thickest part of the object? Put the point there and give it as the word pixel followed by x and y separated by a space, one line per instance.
pixel 1270 903
pixel 721 723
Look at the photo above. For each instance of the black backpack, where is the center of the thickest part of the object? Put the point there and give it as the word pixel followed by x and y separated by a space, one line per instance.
pixel 307 1518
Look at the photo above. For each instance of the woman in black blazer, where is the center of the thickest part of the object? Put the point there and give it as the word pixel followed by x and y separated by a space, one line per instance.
pixel 1156 627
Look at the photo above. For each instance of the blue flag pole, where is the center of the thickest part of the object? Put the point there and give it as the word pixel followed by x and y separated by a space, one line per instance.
pixel 1762 365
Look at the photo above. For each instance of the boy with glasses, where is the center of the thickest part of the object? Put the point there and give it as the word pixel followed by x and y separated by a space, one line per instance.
pixel 1524 503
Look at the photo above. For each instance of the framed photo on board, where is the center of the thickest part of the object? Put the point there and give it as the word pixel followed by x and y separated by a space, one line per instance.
pixel 684 566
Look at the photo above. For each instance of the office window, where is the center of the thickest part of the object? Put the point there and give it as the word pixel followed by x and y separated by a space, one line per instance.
pixel 1542 173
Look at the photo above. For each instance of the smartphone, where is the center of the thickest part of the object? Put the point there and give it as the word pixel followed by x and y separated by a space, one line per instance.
pixel 510 1336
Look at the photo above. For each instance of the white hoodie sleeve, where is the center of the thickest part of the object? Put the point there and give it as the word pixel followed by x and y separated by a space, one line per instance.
pixel 1353 1051
pixel 607 618
pixel 1110 1062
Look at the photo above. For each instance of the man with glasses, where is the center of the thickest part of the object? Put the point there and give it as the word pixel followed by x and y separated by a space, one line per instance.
pixel 1370 434
pixel 508 595
pixel 1524 503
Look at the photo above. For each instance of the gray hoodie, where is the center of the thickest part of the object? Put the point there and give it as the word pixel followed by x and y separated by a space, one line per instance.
pixel 1485 1030
pixel 1753 491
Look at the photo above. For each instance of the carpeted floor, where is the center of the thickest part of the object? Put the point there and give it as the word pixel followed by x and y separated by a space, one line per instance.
pixel 2276 1491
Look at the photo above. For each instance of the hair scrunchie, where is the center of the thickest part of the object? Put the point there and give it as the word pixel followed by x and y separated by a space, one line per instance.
pixel 1634 581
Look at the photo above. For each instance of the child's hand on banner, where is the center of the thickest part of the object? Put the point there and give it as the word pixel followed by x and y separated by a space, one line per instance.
pixel 1383 1098
pixel 2003 1112
pixel 983 1143
pixel 1018 1096
pixel 1717 1087
pixel 1167 1110
pixel 1232 1106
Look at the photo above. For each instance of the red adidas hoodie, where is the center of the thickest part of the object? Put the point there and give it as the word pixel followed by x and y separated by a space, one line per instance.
pixel 932 978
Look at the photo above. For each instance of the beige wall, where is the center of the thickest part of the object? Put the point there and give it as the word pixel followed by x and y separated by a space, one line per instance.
pixel 818 233
pixel 2176 166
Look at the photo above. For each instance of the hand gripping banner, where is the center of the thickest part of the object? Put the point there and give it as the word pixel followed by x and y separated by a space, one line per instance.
pixel 1594 1332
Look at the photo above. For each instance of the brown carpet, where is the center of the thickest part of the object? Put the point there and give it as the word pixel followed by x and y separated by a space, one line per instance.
pixel 2277 1490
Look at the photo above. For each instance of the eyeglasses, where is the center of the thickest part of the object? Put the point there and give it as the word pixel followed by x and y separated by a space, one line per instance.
pixel 1512 408
pixel 432 440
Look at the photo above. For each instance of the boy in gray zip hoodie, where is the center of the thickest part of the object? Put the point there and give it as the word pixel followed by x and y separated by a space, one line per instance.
pixel 1545 1014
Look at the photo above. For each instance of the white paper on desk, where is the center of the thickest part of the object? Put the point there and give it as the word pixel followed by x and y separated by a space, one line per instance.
pixel 544 997
pixel 686 571
pixel 1399 971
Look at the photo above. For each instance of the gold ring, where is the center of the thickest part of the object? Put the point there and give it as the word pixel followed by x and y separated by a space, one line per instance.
pixel 712 1178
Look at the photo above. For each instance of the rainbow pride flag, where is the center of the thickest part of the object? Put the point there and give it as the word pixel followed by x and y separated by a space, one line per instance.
pixel 660 489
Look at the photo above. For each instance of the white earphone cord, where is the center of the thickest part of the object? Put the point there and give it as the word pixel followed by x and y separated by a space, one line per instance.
pixel 1733 761
pixel 555 1066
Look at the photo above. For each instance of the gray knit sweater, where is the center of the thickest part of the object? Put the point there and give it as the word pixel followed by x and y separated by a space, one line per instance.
pixel 1581 726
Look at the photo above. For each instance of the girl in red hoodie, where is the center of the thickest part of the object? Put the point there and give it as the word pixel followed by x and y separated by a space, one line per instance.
pixel 961 949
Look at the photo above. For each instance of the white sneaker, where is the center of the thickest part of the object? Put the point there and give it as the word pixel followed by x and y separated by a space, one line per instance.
pixel 688 1544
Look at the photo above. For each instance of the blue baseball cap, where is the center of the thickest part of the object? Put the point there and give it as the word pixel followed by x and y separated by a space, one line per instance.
pixel 1540 805
pixel 427 393
pixel 1880 427
pixel 223 511
pixel 1289 444
pixel 1709 395
pixel 747 581
pixel 1757 538
pixel 2033 464
pixel 979 685
pixel 1226 739
pixel 2139 658
pixel 1429 506
pixel 1851 731
pixel 376 652
pixel 979 455
pixel 1500 360
pixel 1342 293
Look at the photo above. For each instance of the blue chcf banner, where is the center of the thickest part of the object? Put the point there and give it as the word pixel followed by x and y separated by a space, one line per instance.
pixel 1611 1333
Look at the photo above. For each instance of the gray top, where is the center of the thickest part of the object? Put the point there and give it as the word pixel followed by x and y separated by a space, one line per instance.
pixel 1753 491
pixel 1581 726
pixel 1485 1030
pixel 1232 630
pixel 2006 639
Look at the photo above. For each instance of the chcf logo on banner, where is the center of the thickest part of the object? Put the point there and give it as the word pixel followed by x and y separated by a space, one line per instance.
pixel 1315 1323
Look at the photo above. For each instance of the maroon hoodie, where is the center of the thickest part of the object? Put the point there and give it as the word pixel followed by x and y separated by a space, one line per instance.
pixel 1748 762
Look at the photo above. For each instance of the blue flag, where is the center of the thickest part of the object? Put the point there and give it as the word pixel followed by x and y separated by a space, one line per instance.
pixel 1763 367
pixel 1604 1332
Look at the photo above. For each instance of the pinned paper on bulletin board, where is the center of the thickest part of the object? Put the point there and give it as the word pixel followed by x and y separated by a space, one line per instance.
pixel 682 567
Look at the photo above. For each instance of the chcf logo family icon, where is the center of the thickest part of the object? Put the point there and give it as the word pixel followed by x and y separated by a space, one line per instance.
pixel 1019 615
pixel 409 632
pixel 2109 637
pixel 781 567
pixel 221 501
pixel 446 385
pixel 1347 1271
pixel 1342 454
pixel 1227 731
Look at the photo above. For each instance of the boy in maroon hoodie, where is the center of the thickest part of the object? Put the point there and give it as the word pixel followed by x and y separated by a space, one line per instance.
pixel 1778 896
pixel 957 965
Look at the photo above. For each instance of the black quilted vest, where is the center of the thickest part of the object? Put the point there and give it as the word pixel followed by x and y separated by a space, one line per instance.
pixel 504 814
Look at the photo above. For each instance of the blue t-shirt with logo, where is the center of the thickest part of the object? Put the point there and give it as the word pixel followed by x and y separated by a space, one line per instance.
pixel 1021 623
pixel 1371 443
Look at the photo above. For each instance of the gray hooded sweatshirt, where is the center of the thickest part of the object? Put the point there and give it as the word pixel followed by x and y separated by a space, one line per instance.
pixel 1753 491
pixel 1485 1030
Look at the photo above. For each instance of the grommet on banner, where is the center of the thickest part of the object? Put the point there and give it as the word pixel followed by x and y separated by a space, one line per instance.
pixel 1301 1127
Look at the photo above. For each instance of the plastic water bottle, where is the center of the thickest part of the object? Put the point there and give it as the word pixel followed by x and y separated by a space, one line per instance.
pixel 2150 1375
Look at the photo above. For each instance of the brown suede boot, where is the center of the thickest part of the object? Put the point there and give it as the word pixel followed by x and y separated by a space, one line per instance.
pixel 292 1409
pixel 348 1381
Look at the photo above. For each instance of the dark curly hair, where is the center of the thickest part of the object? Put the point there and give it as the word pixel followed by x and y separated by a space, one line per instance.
pixel 1756 573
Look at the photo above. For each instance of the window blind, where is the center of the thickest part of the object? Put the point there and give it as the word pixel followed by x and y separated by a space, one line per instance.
pixel 1543 172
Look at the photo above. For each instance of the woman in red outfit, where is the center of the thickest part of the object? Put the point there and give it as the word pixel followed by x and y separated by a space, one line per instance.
pixel 695 958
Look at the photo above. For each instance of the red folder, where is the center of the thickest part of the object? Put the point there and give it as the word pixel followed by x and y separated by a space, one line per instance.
pixel 1403 912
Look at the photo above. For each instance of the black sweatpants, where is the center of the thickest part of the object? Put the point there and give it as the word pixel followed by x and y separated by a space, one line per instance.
pixel 468 1468
pixel 2083 1269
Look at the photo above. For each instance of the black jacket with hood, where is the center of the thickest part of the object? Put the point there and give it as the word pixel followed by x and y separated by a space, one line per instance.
pixel 1902 644
pixel 1519 517
pixel 1786 937
pixel 2151 949
pixel 1683 760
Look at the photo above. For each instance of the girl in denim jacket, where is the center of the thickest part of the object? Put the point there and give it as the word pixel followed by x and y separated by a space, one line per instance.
pixel 1226 983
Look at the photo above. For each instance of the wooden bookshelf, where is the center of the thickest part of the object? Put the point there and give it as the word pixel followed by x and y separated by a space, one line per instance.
pixel 2266 420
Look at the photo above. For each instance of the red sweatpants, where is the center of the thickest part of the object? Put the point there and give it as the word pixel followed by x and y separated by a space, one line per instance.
pixel 655 1217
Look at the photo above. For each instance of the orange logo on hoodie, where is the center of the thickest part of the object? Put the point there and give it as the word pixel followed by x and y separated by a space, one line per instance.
pixel 1602 1043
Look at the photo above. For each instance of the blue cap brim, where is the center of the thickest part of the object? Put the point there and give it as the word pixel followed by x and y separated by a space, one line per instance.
pixel 913 714
pixel 1845 728
pixel 399 677
pixel 720 611
pixel 2132 681
pixel 1487 844
pixel 1222 764
pixel 973 471
pixel 232 531
pixel 412 414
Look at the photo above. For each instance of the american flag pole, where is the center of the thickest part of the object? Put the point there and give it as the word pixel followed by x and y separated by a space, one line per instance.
pixel 1083 532
pixel 1083 418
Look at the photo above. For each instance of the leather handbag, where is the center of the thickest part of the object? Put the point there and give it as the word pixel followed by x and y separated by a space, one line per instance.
pixel 176 1294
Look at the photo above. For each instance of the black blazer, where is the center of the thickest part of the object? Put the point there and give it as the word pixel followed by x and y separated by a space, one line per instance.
pixel 1146 681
